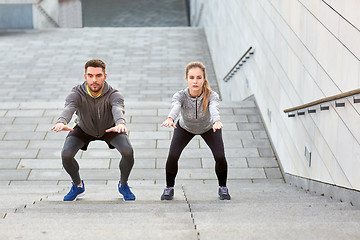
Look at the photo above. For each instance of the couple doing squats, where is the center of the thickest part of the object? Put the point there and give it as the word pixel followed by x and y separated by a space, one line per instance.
pixel 100 116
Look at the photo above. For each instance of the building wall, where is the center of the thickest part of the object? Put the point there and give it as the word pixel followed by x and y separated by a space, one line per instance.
pixel 304 50
pixel 25 14
pixel 16 16
pixel 70 14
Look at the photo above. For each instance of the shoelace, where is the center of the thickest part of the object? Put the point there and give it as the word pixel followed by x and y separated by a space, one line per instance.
pixel 167 191
pixel 224 190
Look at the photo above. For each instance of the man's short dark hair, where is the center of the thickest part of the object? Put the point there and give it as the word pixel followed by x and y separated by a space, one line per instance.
pixel 95 63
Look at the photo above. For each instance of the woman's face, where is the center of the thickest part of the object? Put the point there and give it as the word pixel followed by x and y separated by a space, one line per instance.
pixel 195 79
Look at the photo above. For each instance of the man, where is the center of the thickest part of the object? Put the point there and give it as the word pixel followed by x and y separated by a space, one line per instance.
pixel 100 116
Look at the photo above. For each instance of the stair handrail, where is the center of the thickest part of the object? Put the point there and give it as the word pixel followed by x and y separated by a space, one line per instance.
pixel 324 100
pixel 238 64
pixel 46 14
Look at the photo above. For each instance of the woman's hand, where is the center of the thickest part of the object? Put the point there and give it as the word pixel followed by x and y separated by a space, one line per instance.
pixel 217 125
pixel 169 122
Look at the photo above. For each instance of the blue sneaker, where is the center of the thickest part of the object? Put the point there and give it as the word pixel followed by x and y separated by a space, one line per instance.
pixel 125 191
pixel 75 192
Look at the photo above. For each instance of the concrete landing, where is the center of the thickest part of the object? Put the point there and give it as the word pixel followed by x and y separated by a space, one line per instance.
pixel 266 210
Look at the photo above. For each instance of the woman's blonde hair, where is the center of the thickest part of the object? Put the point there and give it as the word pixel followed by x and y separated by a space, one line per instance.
pixel 206 86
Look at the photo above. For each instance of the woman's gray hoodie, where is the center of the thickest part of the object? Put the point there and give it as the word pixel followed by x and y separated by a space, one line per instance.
pixel 192 118
pixel 94 114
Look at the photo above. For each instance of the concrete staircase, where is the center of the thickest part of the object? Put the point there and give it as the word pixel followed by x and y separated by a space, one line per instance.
pixel 147 65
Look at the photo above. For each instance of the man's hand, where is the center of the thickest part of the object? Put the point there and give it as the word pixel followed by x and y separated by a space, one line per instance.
pixel 217 125
pixel 118 128
pixel 61 127
pixel 169 122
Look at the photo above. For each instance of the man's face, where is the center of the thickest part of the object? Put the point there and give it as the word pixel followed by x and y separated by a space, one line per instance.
pixel 95 78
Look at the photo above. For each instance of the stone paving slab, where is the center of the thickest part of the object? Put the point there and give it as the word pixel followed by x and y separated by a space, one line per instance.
pixel 259 134
pixel 56 136
pixel 245 126
pixel 39 163
pixel 9 163
pixel 37 144
pixel 140 163
pixel 15 128
pixel 233 162
pixel 266 152
pixel 24 113
pixel 24 135
pixel 254 118
pixel 24 153
pixel 12 174
pixel 229 135
pixel 263 143
pixel 193 144
pixel 8 120
pixel 183 163
pixel 144 126
pixel 149 135
pixel 25 120
pixel 14 144
pixel 48 174
pixel 235 142
pixel 262 162
pixel 273 172
pixel 52 153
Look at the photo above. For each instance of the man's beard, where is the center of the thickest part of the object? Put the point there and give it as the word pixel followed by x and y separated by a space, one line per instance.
pixel 95 90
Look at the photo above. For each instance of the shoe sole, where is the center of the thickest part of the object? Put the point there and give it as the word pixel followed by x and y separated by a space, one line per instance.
pixel 165 199
pixel 78 196
pixel 122 197
pixel 224 198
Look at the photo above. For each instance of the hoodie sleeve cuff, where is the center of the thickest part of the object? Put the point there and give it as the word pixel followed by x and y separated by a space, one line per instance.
pixel 121 120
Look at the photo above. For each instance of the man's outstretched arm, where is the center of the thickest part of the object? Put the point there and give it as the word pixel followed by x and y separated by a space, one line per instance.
pixel 66 115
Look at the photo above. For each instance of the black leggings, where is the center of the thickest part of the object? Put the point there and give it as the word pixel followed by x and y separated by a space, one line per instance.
pixel 73 144
pixel 179 141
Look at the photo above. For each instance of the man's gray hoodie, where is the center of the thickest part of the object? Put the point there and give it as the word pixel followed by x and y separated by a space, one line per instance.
pixel 94 114
pixel 192 118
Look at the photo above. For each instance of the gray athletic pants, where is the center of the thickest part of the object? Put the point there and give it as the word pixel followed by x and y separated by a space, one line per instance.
pixel 73 144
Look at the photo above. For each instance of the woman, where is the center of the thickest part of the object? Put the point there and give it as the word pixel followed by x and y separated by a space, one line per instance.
pixel 198 106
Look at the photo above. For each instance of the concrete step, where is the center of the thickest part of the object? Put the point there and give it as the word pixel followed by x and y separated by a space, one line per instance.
pixel 257 210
